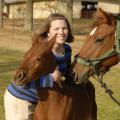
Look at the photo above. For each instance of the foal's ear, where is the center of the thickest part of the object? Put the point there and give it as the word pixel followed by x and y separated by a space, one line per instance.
pixel 102 16
pixel 51 42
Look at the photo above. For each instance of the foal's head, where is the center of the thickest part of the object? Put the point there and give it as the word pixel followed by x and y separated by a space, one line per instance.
pixel 100 40
pixel 37 61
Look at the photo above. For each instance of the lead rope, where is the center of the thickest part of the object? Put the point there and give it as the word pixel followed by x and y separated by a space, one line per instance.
pixel 117 35
pixel 99 78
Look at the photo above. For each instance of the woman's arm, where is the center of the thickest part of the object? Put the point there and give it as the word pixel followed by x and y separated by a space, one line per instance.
pixel 47 80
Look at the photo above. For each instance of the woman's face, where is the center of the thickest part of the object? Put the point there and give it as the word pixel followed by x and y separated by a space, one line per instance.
pixel 59 27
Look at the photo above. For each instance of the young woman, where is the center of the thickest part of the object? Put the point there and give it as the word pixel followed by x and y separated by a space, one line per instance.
pixel 20 102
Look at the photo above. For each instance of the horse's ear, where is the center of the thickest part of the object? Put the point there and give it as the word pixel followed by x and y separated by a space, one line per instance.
pixel 102 16
pixel 51 42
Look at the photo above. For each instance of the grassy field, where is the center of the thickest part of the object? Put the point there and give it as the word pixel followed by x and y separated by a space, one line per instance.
pixel 11 53
pixel 8 63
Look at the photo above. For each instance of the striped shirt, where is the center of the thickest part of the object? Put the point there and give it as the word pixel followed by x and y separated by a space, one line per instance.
pixel 28 92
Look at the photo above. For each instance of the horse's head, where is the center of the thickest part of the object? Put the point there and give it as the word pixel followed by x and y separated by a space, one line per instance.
pixel 37 61
pixel 98 42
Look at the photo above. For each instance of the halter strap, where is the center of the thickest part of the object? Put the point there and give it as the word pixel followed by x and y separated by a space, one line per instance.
pixel 117 39
pixel 94 62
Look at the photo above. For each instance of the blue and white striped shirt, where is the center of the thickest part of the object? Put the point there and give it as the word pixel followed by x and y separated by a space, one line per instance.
pixel 28 92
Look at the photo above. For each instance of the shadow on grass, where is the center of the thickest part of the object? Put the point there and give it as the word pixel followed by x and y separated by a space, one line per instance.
pixel 9 66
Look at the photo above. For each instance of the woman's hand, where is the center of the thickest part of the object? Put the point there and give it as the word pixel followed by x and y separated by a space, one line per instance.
pixel 57 75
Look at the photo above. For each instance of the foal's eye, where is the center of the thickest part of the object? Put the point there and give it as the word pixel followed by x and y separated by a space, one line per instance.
pixel 38 59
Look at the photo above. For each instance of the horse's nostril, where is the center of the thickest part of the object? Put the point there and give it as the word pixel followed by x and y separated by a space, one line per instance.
pixel 20 75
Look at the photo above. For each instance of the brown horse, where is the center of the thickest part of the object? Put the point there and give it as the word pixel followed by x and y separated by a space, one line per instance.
pixel 99 51
pixel 71 102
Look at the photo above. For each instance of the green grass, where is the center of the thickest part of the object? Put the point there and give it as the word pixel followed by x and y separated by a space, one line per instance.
pixel 83 21
pixel 107 109
pixel 8 55
pixel 9 61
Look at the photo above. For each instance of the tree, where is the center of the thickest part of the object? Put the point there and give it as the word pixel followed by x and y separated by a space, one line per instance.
pixel 119 6
pixel 69 11
pixel 65 7
pixel 1 11
pixel 7 9
pixel 29 16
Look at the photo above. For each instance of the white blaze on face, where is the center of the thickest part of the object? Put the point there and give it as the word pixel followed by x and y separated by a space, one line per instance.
pixel 93 31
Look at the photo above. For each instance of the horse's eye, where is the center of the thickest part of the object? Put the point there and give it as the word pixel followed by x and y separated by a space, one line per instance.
pixel 99 40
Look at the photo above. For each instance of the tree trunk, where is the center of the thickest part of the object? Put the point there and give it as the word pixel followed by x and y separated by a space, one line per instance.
pixel 29 16
pixel 1 11
pixel 119 6
pixel 61 7
pixel 8 9
pixel 69 11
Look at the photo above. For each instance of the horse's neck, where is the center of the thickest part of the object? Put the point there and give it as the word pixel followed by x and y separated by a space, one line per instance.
pixel 50 99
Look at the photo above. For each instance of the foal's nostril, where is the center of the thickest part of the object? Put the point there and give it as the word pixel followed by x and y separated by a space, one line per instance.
pixel 20 75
